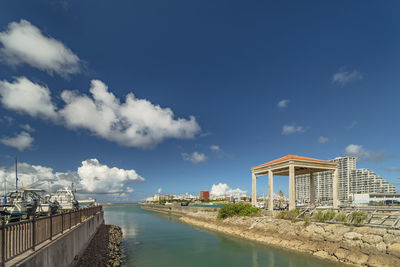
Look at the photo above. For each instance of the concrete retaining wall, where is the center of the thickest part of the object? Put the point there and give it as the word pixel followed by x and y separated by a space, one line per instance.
pixel 62 251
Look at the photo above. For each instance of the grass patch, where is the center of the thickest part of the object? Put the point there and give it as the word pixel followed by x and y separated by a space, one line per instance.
pixel 358 218
pixel 341 217
pixel 288 215
pixel 239 209
pixel 324 216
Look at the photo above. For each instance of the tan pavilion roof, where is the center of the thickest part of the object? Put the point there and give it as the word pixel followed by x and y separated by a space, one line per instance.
pixel 289 157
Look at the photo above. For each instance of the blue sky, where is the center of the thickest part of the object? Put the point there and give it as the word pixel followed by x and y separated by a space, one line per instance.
pixel 214 88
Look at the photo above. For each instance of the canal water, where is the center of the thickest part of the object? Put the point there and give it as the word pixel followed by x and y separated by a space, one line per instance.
pixel 160 240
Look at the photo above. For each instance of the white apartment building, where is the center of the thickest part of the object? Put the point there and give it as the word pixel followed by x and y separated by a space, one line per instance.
pixel 351 181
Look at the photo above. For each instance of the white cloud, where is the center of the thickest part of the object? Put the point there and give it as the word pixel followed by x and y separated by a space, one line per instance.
pixel 23 43
pixel 221 189
pixel 159 191
pixel 283 103
pixel 291 129
pixel 137 122
pixel 215 148
pixel 96 177
pixel 91 178
pixel 195 157
pixel 362 154
pixel 323 140
pixel 25 96
pixel 21 141
pixel 27 127
pixel 343 77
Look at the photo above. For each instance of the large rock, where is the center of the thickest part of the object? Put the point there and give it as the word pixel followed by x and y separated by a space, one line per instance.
pixel 357 257
pixel 341 230
pixel 381 247
pixel 352 236
pixel 378 231
pixel 362 230
pixel 372 239
pixel 394 232
pixel 341 253
pixel 324 255
pixel 308 246
pixel 330 227
pixel 394 249
pixel 390 238
pixel 315 229
pixel 386 261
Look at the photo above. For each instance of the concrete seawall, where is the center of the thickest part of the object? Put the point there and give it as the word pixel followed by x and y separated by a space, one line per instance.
pixel 359 246
pixel 63 250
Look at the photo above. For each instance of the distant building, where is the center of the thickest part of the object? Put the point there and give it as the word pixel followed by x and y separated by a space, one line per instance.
pixel 376 197
pixel 204 196
pixel 351 181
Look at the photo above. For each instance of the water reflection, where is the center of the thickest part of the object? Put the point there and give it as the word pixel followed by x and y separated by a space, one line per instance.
pixel 156 239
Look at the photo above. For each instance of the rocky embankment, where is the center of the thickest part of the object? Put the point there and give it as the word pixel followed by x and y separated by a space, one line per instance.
pixel 104 249
pixel 360 246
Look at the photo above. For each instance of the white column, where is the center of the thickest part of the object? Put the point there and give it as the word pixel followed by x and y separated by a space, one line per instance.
pixel 270 190
pixel 253 189
pixel 312 189
pixel 335 188
pixel 292 195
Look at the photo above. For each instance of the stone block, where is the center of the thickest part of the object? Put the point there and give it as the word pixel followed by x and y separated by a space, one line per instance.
pixel 341 253
pixel 372 239
pixel 352 236
pixel 394 249
pixel 386 261
pixel 391 239
pixel 357 257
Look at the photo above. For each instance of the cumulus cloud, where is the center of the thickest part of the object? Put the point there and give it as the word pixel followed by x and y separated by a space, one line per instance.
pixel 21 141
pixel 215 148
pixel 91 178
pixel 195 157
pixel 343 77
pixel 291 129
pixel 96 177
pixel 23 43
pixel 283 103
pixel 323 140
pixel 362 154
pixel 136 122
pixel 24 96
pixel 221 189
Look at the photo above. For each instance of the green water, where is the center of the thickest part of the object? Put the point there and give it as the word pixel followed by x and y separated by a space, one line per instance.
pixel 156 239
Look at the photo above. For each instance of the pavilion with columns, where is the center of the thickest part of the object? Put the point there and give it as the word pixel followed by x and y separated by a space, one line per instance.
pixel 292 165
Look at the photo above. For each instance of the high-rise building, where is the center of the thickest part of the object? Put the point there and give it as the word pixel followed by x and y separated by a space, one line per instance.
pixel 204 196
pixel 351 181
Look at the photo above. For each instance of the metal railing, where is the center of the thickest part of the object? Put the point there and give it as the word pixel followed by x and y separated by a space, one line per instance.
pixel 18 237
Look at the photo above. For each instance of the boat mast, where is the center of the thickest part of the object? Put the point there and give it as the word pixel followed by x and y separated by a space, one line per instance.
pixel 16 174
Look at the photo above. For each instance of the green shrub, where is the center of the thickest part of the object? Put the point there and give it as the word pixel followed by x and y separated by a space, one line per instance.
pixel 288 215
pixel 319 216
pixel 239 209
pixel 329 215
pixel 358 218
pixel 341 217
pixel 323 216
pixel 307 221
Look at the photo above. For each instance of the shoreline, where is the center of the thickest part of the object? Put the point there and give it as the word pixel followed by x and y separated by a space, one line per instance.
pixel 355 246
